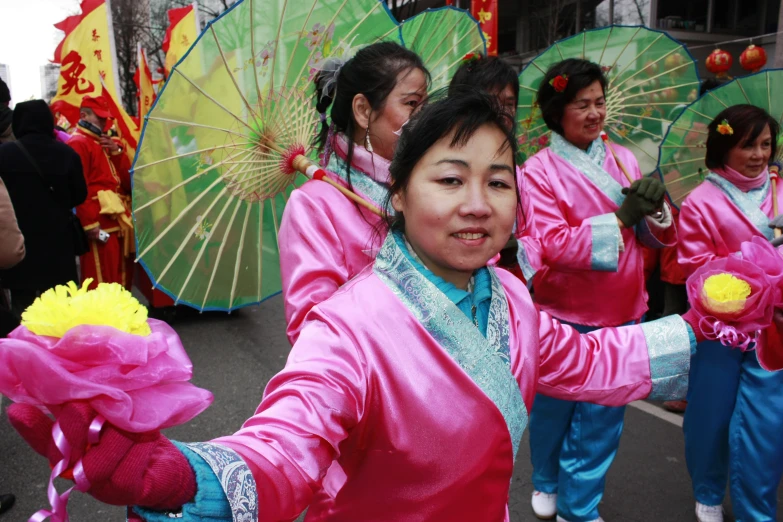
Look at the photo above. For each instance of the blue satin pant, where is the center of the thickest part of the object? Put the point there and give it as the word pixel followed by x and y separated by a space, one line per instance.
pixel 572 445
pixel 734 431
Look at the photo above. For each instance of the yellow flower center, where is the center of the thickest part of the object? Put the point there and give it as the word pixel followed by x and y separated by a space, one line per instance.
pixel 64 307
pixel 725 293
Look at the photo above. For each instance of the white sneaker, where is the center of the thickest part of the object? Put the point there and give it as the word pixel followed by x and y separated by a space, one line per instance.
pixel 705 513
pixel 544 505
pixel 561 519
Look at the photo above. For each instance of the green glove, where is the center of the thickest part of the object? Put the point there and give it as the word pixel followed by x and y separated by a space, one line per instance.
pixel 643 197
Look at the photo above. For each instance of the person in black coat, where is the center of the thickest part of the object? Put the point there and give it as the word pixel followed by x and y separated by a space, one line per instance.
pixel 42 214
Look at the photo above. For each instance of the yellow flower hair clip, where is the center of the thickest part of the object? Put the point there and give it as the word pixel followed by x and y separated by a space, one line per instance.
pixel 725 129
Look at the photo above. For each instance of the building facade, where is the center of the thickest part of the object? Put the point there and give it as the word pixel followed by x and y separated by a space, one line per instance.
pixel 5 74
pixel 527 27
pixel 49 76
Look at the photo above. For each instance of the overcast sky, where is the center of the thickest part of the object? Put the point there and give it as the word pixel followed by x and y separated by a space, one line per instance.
pixel 28 39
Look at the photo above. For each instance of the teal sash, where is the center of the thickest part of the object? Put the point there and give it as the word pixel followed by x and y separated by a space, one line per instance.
pixel 485 360
pixel 749 203
pixel 368 188
pixel 590 164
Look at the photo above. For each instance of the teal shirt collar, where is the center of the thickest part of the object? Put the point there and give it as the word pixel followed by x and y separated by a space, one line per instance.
pixel 480 296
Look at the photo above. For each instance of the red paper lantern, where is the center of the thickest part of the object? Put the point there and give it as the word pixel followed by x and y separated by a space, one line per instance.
pixel 753 58
pixel 719 62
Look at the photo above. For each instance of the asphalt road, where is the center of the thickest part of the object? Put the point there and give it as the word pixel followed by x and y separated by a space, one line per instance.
pixel 235 356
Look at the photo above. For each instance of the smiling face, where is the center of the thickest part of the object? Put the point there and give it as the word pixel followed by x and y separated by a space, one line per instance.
pixel 385 124
pixel 751 158
pixel 583 118
pixel 460 203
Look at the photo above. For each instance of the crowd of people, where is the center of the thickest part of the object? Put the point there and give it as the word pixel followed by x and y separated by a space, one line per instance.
pixel 416 364
pixel 71 199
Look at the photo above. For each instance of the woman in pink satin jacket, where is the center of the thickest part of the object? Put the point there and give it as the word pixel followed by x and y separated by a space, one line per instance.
pixel 325 238
pixel 586 232
pixel 414 380
pixel 734 416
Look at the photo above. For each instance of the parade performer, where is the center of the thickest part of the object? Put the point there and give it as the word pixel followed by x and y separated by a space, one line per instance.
pixel 325 238
pixel 496 77
pixel 735 408
pixel 589 224
pixel 415 378
pixel 107 208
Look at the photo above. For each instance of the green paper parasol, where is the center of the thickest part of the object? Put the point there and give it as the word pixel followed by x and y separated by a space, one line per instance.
pixel 651 77
pixel 442 37
pixel 682 153
pixel 211 174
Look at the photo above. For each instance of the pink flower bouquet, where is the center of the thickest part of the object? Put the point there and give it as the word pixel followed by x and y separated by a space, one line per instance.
pixel 99 347
pixel 761 253
pixel 734 300
pixel 769 348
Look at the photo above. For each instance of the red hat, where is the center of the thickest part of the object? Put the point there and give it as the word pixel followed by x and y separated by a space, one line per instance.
pixel 98 105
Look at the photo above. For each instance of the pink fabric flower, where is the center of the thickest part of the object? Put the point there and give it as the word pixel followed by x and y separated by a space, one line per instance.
pixel 137 383
pixel 760 252
pixel 742 327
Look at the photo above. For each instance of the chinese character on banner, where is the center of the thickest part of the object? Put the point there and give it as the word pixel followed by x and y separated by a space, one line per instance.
pixel 486 12
pixel 95 35
pixel 71 71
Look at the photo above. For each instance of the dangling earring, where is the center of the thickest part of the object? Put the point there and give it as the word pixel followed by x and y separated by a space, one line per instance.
pixel 367 143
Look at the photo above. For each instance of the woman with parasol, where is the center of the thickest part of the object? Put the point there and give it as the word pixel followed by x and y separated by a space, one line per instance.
pixel 735 407
pixel 325 238
pixel 593 211
pixel 415 378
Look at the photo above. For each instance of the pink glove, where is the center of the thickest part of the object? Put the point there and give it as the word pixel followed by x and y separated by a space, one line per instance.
pixel 692 319
pixel 123 469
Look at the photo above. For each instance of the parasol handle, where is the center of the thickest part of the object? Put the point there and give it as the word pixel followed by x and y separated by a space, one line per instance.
pixel 306 167
pixel 774 171
pixel 605 137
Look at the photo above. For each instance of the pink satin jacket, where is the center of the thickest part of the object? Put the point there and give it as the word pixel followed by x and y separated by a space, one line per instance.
pixel 325 239
pixel 716 218
pixel 589 271
pixel 414 413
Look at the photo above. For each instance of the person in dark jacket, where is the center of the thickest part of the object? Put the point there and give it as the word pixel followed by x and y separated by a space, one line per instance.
pixel 42 214
pixel 6 113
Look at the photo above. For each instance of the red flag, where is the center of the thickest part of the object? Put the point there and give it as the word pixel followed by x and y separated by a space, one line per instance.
pixel 182 32
pixel 127 128
pixel 72 22
pixel 486 12
pixel 144 84
pixel 85 57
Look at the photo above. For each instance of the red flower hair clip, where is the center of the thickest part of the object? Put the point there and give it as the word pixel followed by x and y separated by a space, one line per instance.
pixel 559 82
pixel 471 57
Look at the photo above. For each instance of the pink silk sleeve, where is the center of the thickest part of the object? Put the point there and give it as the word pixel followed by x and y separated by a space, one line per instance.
pixel 558 243
pixel 614 366
pixel 308 410
pixel 312 261
pixel 696 245
pixel 530 254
